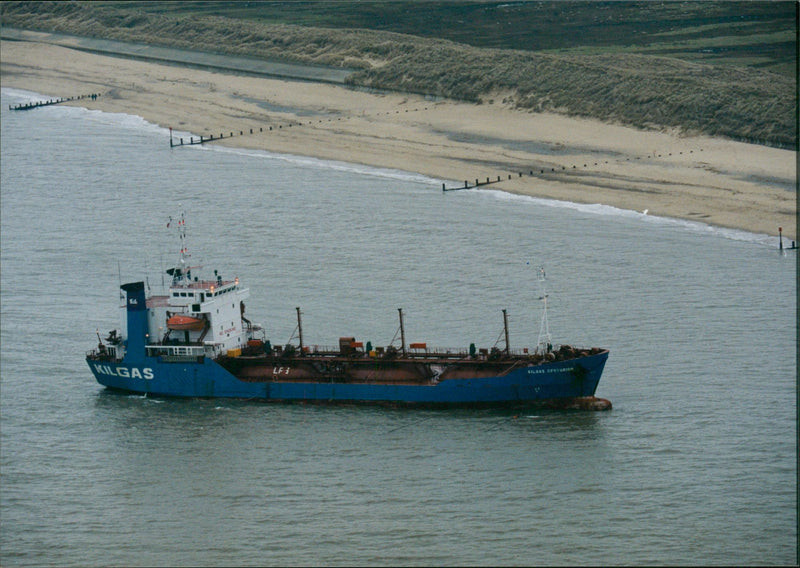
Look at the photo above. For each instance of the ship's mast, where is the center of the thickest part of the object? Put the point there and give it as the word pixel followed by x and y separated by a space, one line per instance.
pixel 184 248
pixel 180 272
pixel 544 343
pixel 505 329
pixel 300 328
pixel 402 333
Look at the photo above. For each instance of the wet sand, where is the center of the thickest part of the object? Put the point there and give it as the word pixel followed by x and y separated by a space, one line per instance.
pixel 711 180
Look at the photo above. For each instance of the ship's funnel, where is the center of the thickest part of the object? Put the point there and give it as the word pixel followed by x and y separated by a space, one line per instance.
pixel 137 318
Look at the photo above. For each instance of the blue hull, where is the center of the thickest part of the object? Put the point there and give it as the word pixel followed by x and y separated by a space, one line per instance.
pixel 564 380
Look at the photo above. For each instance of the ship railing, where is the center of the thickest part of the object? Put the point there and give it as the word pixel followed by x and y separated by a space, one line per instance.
pixel 413 350
pixel 358 349
pixel 108 353
pixel 461 353
pixel 175 350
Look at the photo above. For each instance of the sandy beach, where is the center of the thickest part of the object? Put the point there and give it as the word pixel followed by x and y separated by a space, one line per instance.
pixel 710 180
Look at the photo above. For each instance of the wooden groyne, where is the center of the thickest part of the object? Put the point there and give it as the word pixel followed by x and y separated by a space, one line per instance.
pixel 477 183
pixel 563 169
pixel 204 139
pixel 193 141
pixel 210 138
pixel 37 104
pixel 780 242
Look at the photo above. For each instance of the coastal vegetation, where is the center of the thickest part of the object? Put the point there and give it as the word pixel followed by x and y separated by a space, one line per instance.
pixel 716 68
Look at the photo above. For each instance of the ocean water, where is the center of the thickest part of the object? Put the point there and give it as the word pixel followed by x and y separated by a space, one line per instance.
pixel 695 465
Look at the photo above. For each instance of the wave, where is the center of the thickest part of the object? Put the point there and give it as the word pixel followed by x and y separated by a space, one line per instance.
pixel 123 120
pixel 321 163
pixel 611 211
pixel 590 208
pixel 23 96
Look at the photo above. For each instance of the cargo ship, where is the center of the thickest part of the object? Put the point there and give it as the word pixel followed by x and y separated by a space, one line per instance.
pixel 194 340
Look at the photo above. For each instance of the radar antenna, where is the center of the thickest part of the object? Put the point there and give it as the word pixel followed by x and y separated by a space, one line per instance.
pixel 181 271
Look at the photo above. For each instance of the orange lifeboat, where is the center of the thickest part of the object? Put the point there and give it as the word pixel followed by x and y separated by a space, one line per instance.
pixel 185 323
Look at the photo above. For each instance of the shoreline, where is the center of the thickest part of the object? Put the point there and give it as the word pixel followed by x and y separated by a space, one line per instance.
pixel 708 180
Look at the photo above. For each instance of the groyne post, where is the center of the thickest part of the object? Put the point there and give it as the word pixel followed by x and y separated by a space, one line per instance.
pixel 37 104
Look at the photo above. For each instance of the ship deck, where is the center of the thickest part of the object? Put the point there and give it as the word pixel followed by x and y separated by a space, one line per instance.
pixel 428 368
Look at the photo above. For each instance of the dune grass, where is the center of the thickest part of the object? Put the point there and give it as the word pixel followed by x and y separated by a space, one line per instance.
pixel 639 64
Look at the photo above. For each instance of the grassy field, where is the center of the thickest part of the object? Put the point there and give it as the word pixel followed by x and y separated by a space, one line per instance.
pixel 718 68
pixel 756 34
